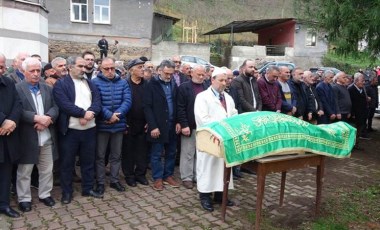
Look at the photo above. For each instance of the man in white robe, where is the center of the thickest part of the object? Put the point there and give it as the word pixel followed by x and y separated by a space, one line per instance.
pixel 212 105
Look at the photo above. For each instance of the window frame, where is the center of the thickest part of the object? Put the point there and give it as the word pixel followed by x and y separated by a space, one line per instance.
pixel 72 13
pixel 310 33
pixel 101 7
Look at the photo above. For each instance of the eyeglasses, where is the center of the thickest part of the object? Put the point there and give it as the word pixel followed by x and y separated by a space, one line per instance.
pixel 109 68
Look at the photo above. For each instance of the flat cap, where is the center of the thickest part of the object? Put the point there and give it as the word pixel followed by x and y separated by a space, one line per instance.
pixel 134 62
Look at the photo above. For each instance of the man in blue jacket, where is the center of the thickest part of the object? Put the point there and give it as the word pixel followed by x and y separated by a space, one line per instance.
pixel 116 100
pixel 79 103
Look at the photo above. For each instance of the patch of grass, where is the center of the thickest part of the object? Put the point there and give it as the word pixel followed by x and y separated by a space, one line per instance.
pixel 349 208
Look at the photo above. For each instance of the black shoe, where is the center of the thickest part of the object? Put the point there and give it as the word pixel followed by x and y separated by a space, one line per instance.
pixel 48 201
pixel 10 212
pixel 100 188
pixel 131 182
pixel 229 202
pixel 207 205
pixel 92 193
pixel 25 206
pixel 117 186
pixel 142 180
pixel 66 198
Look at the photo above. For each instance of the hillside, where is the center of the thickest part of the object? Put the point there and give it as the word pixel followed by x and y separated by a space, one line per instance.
pixel 211 14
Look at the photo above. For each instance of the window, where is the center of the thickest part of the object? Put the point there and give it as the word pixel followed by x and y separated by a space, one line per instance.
pixel 311 38
pixel 79 11
pixel 102 11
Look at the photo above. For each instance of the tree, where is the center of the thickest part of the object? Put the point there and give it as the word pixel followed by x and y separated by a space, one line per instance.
pixel 346 22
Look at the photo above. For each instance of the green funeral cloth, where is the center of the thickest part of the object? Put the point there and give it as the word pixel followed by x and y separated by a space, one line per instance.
pixel 254 135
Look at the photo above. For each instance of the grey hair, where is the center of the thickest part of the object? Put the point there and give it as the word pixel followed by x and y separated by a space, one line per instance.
pixel 327 73
pixel 197 66
pixel 30 61
pixel 167 63
pixel 273 68
pixel 55 61
pixel 72 60
pixel 357 75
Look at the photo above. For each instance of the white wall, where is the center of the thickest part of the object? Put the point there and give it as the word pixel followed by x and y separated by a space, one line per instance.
pixel 23 31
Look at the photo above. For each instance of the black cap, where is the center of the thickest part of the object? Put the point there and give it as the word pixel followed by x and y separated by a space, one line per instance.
pixel 134 62
pixel 47 67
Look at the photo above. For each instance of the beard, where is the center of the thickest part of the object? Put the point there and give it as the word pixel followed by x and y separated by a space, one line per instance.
pixel 248 74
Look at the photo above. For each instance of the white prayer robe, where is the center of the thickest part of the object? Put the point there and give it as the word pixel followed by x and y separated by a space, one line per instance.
pixel 210 169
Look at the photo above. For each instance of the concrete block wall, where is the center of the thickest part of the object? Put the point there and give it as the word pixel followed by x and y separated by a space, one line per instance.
pixel 168 49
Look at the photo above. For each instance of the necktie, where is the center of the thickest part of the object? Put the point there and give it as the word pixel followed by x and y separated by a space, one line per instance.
pixel 223 101
pixel 34 89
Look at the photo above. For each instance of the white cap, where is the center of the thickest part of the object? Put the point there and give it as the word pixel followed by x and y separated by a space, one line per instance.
pixel 218 71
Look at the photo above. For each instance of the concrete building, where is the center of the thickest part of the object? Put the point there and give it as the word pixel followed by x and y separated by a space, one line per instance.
pixel 23 28
pixel 77 25
pixel 284 39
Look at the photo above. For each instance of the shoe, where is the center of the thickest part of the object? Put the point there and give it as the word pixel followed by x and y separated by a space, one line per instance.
pixel 48 201
pixel 158 186
pixel 142 180
pixel 66 198
pixel 100 188
pixel 229 202
pixel 188 184
pixel 207 205
pixel 170 181
pixel 8 211
pixel 92 193
pixel 131 182
pixel 117 186
pixel 356 147
pixel 25 206
pixel 365 137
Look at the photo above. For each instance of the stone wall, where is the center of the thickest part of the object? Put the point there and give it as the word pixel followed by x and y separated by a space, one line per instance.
pixel 70 48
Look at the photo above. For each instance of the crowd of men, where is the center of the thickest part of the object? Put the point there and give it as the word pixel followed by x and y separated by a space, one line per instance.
pixel 135 115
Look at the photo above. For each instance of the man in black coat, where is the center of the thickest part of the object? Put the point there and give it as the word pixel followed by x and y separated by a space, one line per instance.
pixel 359 107
pixel 160 113
pixel 10 111
pixel 103 47
pixel 185 114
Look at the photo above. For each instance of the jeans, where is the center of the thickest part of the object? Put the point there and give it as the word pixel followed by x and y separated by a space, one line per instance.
pixel 162 170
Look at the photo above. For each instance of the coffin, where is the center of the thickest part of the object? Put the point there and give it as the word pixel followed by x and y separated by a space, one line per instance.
pixel 255 135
